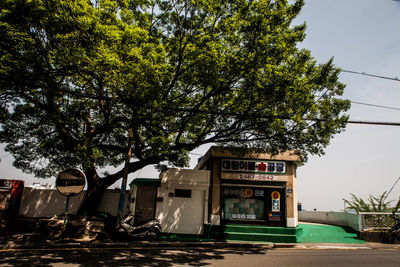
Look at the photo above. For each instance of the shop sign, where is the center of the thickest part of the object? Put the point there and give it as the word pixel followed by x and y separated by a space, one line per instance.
pixel 8 184
pixel 253 166
pixel 248 192
pixel 274 217
pixel 276 205
pixel 276 201
pixel 242 193
pixel 261 177
pixel 244 216
pixel 275 195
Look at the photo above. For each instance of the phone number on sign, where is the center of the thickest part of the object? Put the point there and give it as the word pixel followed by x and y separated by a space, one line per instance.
pixel 257 177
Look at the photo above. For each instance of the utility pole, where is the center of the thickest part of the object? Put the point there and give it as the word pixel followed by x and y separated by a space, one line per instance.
pixel 121 203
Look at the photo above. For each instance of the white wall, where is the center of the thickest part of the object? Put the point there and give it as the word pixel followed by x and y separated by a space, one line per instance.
pixel 183 215
pixel 352 220
pixel 47 203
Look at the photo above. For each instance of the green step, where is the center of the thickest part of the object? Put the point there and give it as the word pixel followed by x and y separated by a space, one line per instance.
pixel 260 229
pixel 255 237
pixel 255 233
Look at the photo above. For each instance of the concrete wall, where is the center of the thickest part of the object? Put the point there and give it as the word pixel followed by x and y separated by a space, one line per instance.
pixel 47 203
pixel 183 215
pixel 351 220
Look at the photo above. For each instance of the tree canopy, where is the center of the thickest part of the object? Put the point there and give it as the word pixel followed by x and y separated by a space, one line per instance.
pixel 76 76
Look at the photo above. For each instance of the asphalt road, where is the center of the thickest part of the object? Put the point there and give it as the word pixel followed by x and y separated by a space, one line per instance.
pixel 243 257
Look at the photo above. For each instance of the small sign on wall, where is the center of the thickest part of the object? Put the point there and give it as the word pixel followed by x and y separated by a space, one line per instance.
pixel 276 204
pixel 274 217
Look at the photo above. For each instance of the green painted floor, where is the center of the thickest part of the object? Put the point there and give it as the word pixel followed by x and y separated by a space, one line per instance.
pixel 311 233
pixel 320 233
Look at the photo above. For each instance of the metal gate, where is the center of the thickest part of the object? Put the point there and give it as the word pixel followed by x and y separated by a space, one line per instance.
pixel 145 204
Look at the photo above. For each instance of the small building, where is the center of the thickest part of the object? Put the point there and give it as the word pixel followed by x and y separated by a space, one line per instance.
pixel 248 187
pixel 179 199
pixel 228 186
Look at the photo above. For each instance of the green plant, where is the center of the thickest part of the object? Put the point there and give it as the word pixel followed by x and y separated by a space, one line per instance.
pixel 372 204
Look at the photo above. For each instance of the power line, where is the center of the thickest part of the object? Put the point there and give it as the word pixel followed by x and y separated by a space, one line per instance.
pixel 372 75
pixel 374 105
pixel 286 118
pixel 375 123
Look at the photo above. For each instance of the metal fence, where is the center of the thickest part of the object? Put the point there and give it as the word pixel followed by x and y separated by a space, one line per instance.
pixel 377 220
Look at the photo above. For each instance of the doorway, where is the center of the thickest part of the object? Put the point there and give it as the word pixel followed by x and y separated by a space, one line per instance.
pixel 145 207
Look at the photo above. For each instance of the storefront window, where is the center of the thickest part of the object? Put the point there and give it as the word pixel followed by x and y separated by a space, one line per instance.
pixel 243 204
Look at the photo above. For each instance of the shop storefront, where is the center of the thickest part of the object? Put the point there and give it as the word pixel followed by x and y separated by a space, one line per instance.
pixel 253 204
pixel 251 188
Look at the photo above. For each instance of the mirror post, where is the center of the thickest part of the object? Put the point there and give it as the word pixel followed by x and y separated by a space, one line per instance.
pixel 66 212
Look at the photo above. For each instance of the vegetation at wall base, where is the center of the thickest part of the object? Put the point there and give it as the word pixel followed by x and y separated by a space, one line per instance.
pixel 372 204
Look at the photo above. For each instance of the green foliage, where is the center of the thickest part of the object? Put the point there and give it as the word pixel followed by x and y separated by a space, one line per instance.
pixel 397 207
pixel 373 204
pixel 76 76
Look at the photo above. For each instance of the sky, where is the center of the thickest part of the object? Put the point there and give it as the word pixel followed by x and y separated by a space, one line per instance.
pixel 362 36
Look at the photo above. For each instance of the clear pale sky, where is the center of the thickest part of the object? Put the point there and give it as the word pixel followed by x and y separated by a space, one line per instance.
pixel 362 36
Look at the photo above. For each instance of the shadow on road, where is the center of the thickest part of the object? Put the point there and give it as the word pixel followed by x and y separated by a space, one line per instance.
pixel 121 257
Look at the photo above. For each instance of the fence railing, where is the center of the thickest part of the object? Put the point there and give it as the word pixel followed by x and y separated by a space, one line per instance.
pixel 376 220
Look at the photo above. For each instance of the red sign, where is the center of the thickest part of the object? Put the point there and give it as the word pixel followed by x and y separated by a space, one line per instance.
pixel 275 195
pixel 262 167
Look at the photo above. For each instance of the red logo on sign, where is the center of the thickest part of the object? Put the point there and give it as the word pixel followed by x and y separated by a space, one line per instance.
pixel 262 167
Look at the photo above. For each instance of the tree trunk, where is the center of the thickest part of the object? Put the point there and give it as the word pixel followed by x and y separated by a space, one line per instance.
pixel 92 200
pixel 94 194
pixel 96 188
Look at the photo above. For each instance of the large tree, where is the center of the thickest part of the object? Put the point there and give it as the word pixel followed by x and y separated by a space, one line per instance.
pixel 76 76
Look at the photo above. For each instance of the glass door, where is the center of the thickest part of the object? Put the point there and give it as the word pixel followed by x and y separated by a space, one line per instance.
pixel 243 204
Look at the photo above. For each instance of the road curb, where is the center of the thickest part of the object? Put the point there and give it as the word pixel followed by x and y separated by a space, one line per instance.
pixel 138 244
pixel 289 245
pixel 182 244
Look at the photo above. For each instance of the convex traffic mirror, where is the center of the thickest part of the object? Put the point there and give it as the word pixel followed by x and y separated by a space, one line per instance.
pixel 70 182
